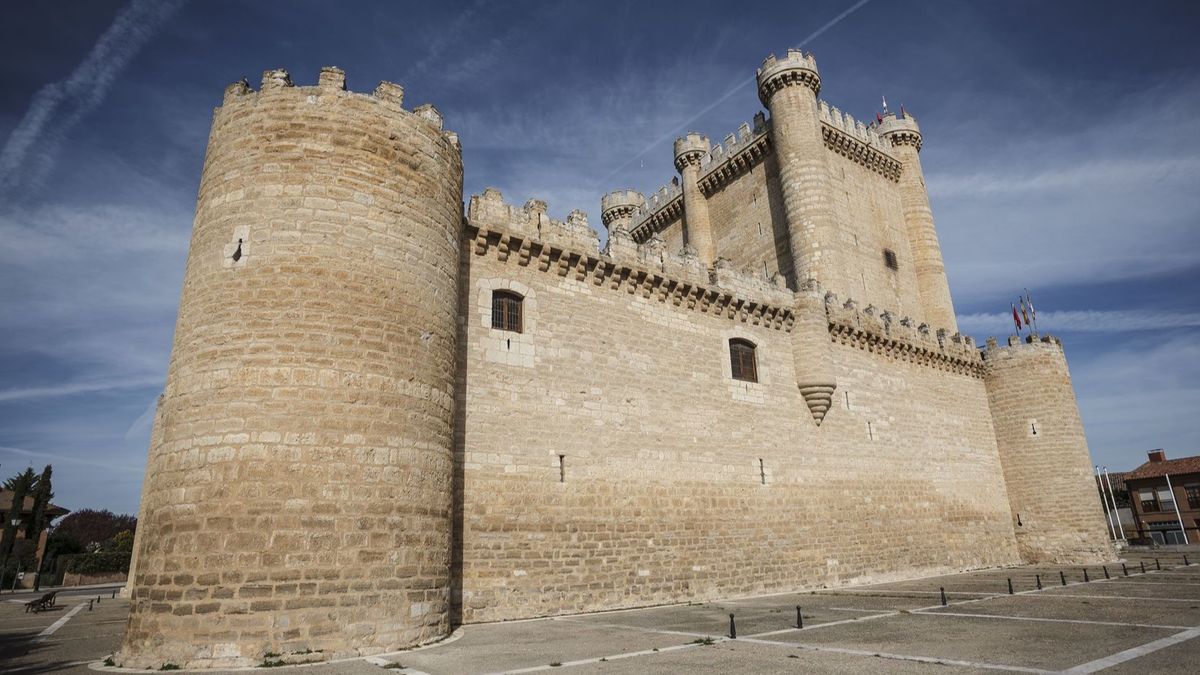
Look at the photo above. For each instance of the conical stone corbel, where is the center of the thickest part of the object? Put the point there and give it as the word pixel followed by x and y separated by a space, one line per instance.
pixel 818 397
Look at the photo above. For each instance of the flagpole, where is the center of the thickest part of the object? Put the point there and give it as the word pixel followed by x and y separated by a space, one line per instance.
pixel 1174 501
pixel 1104 498
pixel 1114 502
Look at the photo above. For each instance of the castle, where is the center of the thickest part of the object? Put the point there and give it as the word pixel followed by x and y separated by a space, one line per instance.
pixel 384 417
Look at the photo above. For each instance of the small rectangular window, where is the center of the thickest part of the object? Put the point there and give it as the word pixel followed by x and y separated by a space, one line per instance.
pixel 889 259
pixel 506 311
pixel 741 360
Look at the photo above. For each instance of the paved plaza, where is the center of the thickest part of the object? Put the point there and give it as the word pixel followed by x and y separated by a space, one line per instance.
pixel 1144 623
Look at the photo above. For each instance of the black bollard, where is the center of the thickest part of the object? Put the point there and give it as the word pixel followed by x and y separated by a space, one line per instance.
pixel 1063 577
pixel 943 590
pixel 799 618
pixel 1010 592
pixel 1124 569
pixel 1039 581
pixel 89 605
pixel 97 599
pixel 1143 563
pixel 114 595
pixel 1185 562
pixel 1085 576
pixel 732 628
pixel 1156 565
pixel 1106 572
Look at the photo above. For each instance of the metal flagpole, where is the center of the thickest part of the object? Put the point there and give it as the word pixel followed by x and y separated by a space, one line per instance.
pixel 1114 501
pixel 1176 503
pixel 1111 528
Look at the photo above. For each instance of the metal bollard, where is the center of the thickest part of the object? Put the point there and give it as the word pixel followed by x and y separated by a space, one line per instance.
pixel 1085 576
pixel 1156 565
pixel 1185 562
pixel 943 590
pixel 97 599
pixel 1124 569
pixel 1038 577
pixel 1063 577
pixel 114 594
pixel 89 605
pixel 799 618
pixel 732 628
pixel 1106 572
pixel 1010 591
pixel 1143 563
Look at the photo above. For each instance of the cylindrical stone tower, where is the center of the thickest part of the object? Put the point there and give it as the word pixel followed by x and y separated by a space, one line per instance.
pixel 1044 454
pixel 788 87
pixel 905 137
pixel 297 496
pixel 618 208
pixel 697 226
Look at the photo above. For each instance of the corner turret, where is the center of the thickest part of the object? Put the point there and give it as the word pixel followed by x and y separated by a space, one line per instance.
pixel 902 134
pixel 690 152
pixel 618 208
pixel 1044 453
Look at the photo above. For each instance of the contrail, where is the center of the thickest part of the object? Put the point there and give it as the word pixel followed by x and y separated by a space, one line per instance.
pixel 724 97
pixel 59 106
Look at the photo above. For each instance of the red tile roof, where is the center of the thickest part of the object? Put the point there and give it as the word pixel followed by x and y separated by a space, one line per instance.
pixel 1175 467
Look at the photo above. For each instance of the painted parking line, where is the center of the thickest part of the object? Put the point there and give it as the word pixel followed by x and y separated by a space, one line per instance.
pixel 903 657
pixel 1133 653
pixel 600 659
pixel 52 628
pixel 1033 618
pixel 1112 597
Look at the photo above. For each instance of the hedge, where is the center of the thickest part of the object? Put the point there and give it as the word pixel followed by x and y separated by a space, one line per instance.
pixel 100 563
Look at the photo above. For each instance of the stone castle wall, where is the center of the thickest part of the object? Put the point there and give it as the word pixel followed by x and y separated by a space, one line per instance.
pixel 610 460
pixel 298 488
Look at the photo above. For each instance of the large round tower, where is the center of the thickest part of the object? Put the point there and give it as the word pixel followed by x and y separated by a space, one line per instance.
pixel 297 496
pixel 1044 453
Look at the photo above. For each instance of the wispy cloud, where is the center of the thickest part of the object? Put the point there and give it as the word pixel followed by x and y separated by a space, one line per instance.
pixel 1090 321
pixel 69 389
pixel 53 457
pixel 29 153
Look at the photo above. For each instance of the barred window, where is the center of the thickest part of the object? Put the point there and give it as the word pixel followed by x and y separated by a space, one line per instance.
pixel 889 259
pixel 741 360
pixel 506 310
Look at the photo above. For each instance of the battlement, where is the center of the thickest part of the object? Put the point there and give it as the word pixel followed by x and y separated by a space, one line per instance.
pixel 877 330
pixel 647 267
pixel 664 205
pixel 994 350
pixel 331 81
pixel 843 122
pixel 856 141
pixel 900 129
pixel 691 149
pixel 621 205
pixel 489 211
pixel 796 67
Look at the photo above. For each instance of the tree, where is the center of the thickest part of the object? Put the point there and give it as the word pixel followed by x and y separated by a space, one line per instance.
pixel 19 484
pixel 42 494
pixel 86 528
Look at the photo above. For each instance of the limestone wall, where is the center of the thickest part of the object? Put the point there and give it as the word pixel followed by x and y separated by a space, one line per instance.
pixel 1047 468
pixel 297 493
pixel 610 460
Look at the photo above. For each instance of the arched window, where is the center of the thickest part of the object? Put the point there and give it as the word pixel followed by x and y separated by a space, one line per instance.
pixel 741 360
pixel 506 310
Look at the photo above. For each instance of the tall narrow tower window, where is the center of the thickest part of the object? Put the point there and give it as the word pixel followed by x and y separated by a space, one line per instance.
pixel 741 360
pixel 889 259
pixel 506 311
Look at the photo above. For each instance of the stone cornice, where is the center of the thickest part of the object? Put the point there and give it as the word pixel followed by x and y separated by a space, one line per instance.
pixel 686 291
pixel 912 138
pixel 880 333
pixel 856 150
pixel 659 219
pixel 724 173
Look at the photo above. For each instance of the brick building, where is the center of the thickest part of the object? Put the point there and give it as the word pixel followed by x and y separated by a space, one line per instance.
pixel 1164 492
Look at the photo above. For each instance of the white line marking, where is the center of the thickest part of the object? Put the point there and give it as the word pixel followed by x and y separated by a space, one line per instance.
pixel 1112 597
pixel 1135 652
pixel 905 657
pixel 827 623
pixel 635 628
pixel 1151 583
pixel 41 637
pixel 1035 618
pixel 612 657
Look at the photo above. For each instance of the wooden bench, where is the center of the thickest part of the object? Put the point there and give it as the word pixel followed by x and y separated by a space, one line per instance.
pixel 44 602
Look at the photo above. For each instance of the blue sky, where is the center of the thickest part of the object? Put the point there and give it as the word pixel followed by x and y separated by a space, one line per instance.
pixel 1060 153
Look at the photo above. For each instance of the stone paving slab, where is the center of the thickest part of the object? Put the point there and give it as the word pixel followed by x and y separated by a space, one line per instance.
pixel 1046 606
pixel 1015 643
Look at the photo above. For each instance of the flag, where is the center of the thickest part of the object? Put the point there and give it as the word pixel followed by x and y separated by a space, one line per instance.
pixel 1016 317
pixel 1024 312
pixel 1032 311
pixel 885 110
pixel 879 118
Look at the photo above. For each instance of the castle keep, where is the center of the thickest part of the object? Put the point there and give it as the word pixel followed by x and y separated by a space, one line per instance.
pixel 384 417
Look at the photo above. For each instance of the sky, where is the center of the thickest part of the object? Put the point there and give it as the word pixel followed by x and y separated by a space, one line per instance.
pixel 1059 156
